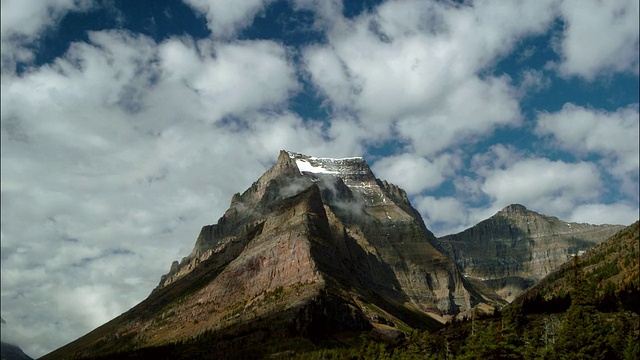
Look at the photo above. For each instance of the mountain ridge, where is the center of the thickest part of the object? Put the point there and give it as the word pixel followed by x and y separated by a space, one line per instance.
pixel 516 247
pixel 319 246
pixel 313 248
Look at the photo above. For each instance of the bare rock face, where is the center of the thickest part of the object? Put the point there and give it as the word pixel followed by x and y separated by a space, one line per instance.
pixel 516 248
pixel 314 246
pixel 373 238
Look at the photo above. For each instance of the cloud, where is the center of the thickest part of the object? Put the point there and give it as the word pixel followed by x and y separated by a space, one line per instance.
pixel 498 156
pixel 613 135
pixel 230 79
pixel 224 18
pixel 551 187
pixel 532 81
pixel 414 173
pixel 472 110
pixel 415 68
pixel 115 154
pixel 23 23
pixel 617 213
pixel 599 36
pixel 444 215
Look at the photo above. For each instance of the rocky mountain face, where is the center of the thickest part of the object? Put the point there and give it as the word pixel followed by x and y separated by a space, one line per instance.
pixel 374 238
pixel 314 247
pixel 610 272
pixel 516 248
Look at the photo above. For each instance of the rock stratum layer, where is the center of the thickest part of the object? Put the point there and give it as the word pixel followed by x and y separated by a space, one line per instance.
pixel 516 248
pixel 314 247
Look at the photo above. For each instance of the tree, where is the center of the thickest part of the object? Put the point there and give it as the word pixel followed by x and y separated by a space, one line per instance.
pixel 632 348
pixel 581 336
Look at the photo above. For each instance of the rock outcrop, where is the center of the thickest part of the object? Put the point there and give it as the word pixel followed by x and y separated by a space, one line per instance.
pixel 516 248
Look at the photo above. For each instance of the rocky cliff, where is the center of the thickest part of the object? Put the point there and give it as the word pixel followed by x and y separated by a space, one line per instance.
pixel 516 248
pixel 397 254
pixel 316 246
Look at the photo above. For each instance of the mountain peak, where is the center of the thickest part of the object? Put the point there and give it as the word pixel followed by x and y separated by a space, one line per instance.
pixel 514 208
pixel 350 168
pixel 315 246
pixel 516 247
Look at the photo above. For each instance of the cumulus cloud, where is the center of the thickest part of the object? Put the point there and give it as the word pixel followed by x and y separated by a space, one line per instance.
pixel 552 187
pixel 415 68
pixel 22 24
pixel 226 18
pixel 414 173
pixel 444 215
pixel 115 155
pixel 612 135
pixel 599 36
pixel 617 213
pixel 533 81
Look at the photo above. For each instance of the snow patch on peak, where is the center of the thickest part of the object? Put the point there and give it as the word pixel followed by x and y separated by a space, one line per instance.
pixel 298 156
pixel 305 166
pixel 333 166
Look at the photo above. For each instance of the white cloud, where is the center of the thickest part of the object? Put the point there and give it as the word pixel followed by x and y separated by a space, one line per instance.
pixel 614 135
pixel 445 215
pixel 226 18
pixel 115 155
pixel 415 67
pixel 470 111
pixel 23 22
pixel 498 156
pixel 414 173
pixel 599 36
pixel 229 79
pixel 532 81
pixel 551 187
pixel 616 213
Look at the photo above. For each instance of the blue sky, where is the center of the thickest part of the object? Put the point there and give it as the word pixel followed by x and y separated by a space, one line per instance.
pixel 128 125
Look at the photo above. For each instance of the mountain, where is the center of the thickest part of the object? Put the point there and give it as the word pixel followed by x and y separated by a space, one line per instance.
pixel 514 249
pixel 610 272
pixel 12 352
pixel 588 309
pixel 315 248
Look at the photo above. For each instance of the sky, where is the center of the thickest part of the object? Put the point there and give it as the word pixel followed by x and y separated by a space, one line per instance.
pixel 126 126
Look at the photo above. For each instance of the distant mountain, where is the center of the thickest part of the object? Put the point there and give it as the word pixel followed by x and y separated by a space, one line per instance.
pixel 12 352
pixel 514 249
pixel 9 351
pixel 587 309
pixel 610 271
pixel 315 249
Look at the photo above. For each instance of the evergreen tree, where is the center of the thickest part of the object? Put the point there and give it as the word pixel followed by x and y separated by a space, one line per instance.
pixel 532 343
pixel 632 348
pixel 581 335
